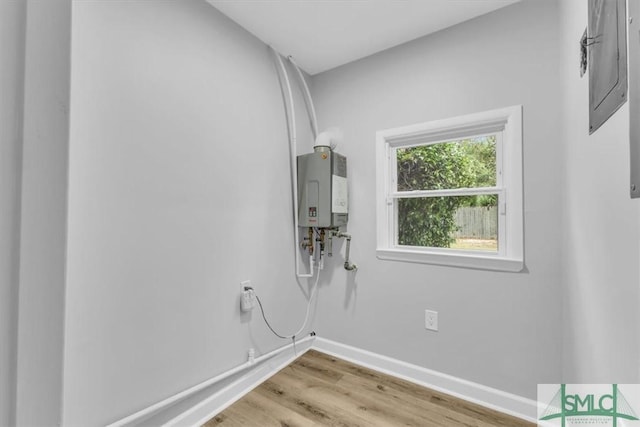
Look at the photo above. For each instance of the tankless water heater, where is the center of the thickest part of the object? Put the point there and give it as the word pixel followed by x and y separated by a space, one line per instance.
pixel 322 189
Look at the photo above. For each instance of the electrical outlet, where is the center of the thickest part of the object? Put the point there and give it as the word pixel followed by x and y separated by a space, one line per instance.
pixel 247 300
pixel 431 320
pixel 247 296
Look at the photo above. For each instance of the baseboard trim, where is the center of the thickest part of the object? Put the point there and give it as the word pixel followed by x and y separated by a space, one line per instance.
pixel 206 409
pixel 198 404
pixel 488 397
pixel 211 403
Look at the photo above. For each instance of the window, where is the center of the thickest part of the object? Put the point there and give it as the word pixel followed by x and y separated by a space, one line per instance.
pixel 450 191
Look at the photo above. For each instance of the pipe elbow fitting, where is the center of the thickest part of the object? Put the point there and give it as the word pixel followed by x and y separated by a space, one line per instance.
pixel 350 266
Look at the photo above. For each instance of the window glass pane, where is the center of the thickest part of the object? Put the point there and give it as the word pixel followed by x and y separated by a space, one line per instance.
pixel 457 222
pixel 466 163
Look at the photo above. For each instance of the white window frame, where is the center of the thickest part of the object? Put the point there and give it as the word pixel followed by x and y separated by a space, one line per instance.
pixel 506 124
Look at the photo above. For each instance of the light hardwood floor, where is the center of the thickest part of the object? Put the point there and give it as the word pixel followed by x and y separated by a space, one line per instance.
pixel 318 389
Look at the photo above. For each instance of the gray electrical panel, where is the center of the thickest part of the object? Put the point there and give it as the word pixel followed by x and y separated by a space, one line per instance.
pixel 322 189
pixel 607 44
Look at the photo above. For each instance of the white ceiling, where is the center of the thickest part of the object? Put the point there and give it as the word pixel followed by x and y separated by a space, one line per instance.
pixel 323 34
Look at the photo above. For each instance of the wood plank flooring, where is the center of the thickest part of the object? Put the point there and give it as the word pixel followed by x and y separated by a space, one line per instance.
pixel 317 389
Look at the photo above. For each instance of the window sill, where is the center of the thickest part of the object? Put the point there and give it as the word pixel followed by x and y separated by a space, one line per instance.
pixel 464 260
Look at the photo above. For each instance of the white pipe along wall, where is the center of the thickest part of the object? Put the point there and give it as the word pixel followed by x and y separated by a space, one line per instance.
pixel 133 418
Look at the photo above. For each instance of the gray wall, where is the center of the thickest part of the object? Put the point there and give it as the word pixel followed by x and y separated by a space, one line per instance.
pixel 498 329
pixel 179 188
pixel 601 232
pixel 43 212
pixel 12 31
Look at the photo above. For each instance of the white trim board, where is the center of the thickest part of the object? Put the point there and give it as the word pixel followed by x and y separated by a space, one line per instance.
pixel 488 397
pixel 216 403
pixel 205 406
pixel 195 406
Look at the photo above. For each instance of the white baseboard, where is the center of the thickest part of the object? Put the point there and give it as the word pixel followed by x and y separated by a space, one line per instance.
pixel 198 404
pixel 473 392
pixel 206 409
pixel 196 411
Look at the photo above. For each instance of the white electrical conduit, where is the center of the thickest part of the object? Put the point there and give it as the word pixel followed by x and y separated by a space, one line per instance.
pixel 307 99
pixel 196 388
pixel 293 160
pixel 291 125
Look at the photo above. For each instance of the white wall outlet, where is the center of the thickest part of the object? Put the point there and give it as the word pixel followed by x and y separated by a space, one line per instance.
pixel 247 300
pixel 247 296
pixel 431 320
